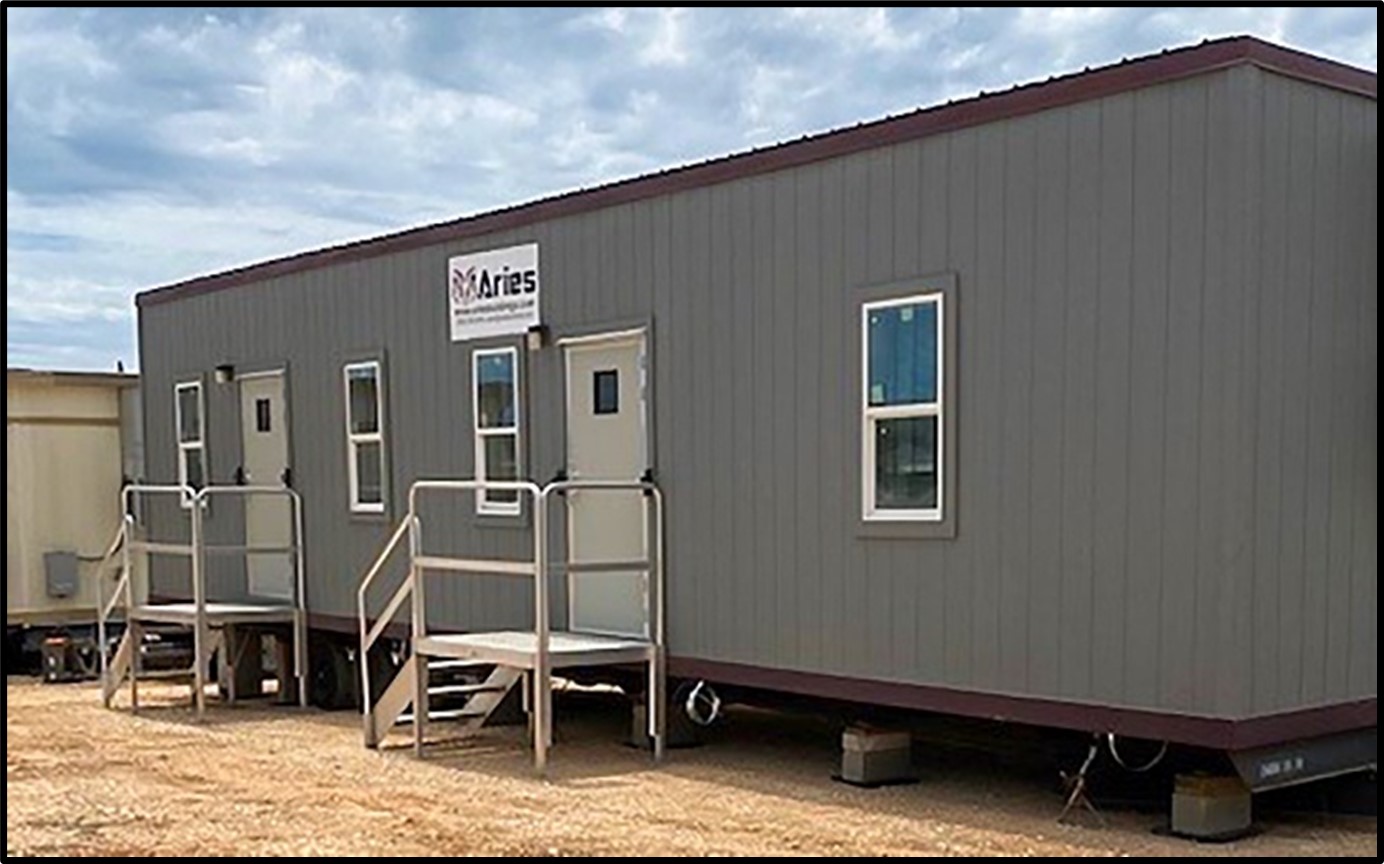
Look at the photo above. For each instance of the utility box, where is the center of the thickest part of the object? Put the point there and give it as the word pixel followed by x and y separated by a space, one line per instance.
pixel 69 659
pixel 875 757
pixel 60 573
pixel 1210 808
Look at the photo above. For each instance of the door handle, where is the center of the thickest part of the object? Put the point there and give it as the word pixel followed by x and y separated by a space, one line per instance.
pixel 240 475
pixel 286 478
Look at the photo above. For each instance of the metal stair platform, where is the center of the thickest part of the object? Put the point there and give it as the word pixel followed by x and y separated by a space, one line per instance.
pixel 212 623
pixel 519 648
pixel 217 614
pixel 518 657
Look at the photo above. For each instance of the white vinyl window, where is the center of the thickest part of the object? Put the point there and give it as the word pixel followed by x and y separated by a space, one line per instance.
pixel 901 438
pixel 495 407
pixel 188 423
pixel 365 436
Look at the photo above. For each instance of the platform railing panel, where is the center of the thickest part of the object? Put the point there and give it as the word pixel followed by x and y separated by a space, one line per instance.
pixel 295 549
pixel 193 503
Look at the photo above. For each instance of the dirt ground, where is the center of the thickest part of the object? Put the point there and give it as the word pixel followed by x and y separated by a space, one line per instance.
pixel 80 780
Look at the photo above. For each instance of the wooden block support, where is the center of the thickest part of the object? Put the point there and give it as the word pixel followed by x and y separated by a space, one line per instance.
pixel 1210 808
pixel 872 756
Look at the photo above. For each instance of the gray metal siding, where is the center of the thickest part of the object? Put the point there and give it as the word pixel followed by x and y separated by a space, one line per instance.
pixel 1313 397
pixel 1165 401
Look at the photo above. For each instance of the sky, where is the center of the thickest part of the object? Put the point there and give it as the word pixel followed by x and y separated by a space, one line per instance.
pixel 145 146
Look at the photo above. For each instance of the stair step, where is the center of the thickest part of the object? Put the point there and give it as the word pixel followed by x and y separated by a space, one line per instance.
pixel 165 674
pixel 464 689
pixel 461 714
pixel 442 665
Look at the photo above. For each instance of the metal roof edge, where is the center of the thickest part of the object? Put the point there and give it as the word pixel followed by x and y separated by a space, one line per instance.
pixel 1020 100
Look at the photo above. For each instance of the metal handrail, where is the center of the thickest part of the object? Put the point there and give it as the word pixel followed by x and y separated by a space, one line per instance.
pixel 368 639
pixel 128 545
pixel 103 607
pixel 654 579
pixel 199 589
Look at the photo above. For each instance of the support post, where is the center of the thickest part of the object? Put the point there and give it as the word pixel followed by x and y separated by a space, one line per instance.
pixel 199 600
pixel 542 680
pixel 300 623
pixel 658 711
pixel 132 629
pixel 419 627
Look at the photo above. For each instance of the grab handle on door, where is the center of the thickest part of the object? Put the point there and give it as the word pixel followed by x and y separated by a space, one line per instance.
pixel 286 477
pixel 240 475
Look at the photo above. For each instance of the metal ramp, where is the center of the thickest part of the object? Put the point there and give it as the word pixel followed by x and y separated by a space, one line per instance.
pixel 210 622
pixel 515 657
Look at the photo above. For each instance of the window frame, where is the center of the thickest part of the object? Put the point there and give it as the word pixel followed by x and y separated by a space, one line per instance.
pixel 355 439
pixel 870 415
pixel 485 506
pixel 200 444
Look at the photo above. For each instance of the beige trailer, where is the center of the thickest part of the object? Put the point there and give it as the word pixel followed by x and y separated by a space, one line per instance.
pixel 71 438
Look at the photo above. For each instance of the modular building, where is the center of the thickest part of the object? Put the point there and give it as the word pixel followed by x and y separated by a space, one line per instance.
pixel 71 440
pixel 1056 404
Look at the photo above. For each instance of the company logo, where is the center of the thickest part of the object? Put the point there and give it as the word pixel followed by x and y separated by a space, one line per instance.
pixel 473 284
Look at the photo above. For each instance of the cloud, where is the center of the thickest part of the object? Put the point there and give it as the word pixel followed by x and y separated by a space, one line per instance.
pixel 147 145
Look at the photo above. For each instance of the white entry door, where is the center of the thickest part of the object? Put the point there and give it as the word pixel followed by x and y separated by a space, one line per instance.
pixel 268 518
pixel 606 440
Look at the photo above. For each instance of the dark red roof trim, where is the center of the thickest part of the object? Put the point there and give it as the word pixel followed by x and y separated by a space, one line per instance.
pixel 1216 733
pixel 985 108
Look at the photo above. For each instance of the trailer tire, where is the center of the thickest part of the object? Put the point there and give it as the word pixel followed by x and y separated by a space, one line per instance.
pixel 330 676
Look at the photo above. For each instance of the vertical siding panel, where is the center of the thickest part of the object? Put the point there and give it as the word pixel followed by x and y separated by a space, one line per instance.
pixel 931 256
pixel 1348 409
pixel 1342 409
pixel 1296 346
pixel 1215 313
pixel 1324 285
pixel 1274 215
pixel 807 299
pixel 744 501
pixel 1239 343
pixel 698 454
pixel 987 478
pixel 665 402
pixel 878 268
pixel 1047 420
pixel 722 397
pixel 839 502
pixel 1112 395
pixel 679 437
pixel 961 213
pixel 912 572
pixel 855 636
pixel 1016 353
pixel 783 458
pixel 1083 290
pixel 1364 585
pixel 1147 392
pixel 1181 506
pixel 766 602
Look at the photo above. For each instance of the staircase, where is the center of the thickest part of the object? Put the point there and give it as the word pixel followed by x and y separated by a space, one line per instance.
pixel 425 690
pixel 464 705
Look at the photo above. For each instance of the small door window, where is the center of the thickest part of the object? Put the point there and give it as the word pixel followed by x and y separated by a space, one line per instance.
pixel 606 396
pixel 262 415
